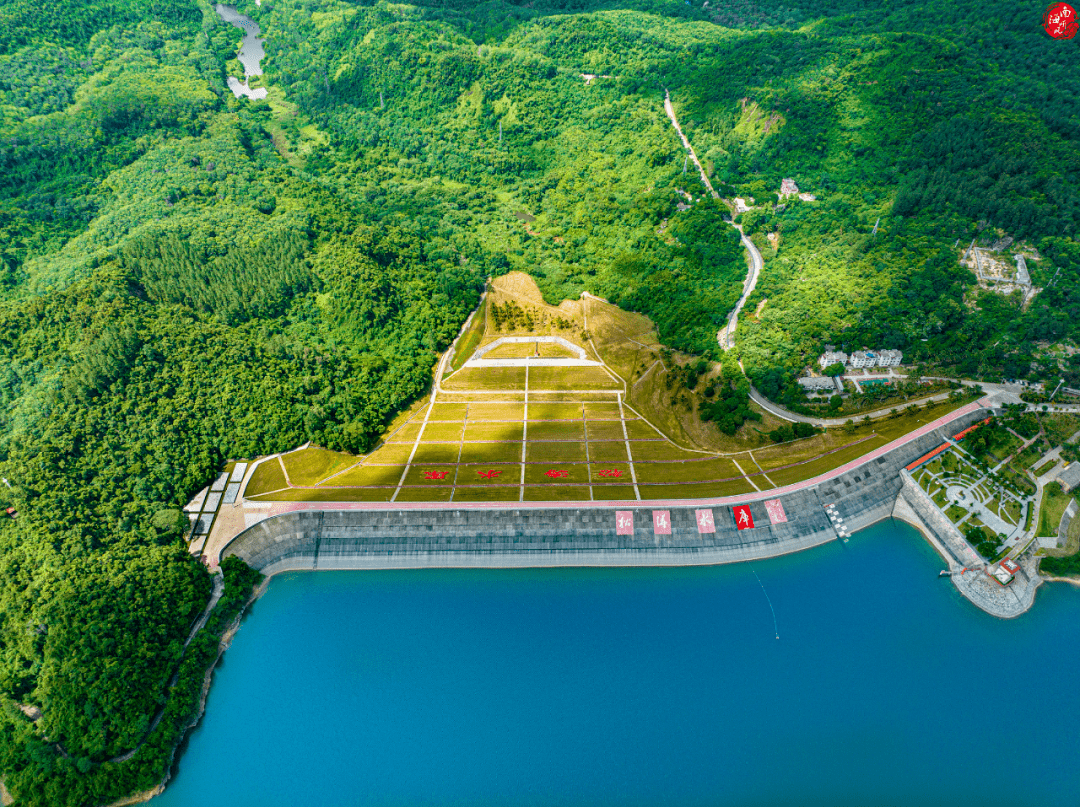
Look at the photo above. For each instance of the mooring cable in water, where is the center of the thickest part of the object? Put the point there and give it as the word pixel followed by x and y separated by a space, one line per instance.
pixel 768 599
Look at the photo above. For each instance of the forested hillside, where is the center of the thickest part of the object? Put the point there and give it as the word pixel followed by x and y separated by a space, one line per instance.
pixel 186 277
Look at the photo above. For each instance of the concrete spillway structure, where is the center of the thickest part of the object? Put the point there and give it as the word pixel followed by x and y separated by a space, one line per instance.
pixel 509 535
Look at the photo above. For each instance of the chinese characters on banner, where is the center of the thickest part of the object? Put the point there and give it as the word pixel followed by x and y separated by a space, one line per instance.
pixel 624 522
pixel 705 523
pixel 743 519
pixel 776 511
pixel 661 520
pixel 435 474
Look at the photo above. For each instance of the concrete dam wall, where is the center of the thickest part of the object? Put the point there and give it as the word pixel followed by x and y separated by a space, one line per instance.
pixel 502 535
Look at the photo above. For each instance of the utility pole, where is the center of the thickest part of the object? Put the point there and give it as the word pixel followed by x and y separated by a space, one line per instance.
pixel 500 133
pixel 685 162
pixel 876 223
pixel 382 103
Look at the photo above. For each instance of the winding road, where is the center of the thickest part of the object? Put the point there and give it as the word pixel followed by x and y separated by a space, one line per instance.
pixel 726 335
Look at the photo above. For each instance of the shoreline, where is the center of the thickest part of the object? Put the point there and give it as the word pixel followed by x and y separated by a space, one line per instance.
pixel 223 644
pixel 1072 581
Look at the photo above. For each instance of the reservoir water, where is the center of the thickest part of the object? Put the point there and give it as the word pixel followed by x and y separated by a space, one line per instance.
pixel 644 687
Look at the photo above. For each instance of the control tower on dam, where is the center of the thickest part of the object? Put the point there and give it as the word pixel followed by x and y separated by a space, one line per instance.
pixel 638 533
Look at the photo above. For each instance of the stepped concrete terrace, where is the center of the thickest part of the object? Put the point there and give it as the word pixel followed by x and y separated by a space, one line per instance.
pixel 530 534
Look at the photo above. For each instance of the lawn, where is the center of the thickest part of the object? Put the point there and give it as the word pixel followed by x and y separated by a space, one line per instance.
pixel 1054 502
pixel 436 453
pixel 391 454
pixel 537 474
pixel 661 450
pixel 512 350
pixel 607 451
pixel 491 493
pixel 266 477
pixel 703 490
pixel 406 434
pixel 1013 510
pixel 609 472
pixel 553 350
pixel 555 411
pixel 560 430
pixel 496 411
pixel 470 340
pixel 494 379
pixel 603 411
pixel 1046 468
pixel 613 492
pixel 450 432
pixel 554 452
pixel 568 378
pixel 661 472
pixel 777 456
pixel 311 465
pixel 481 432
pixel 808 470
pixel 640 430
pixel 370 475
pixel 491 452
pixel 559 493
pixel 448 411
pixel 604 430
pixel 327 494
pixel 955 512
pixel 416 475
pixel 425 494
pixel 489 474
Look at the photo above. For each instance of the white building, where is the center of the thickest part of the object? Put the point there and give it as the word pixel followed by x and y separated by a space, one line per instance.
pixel 818 384
pixel 830 357
pixel 863 358
pixel 889 358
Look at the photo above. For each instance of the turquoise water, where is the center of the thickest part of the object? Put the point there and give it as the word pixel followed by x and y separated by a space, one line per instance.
pixel 644 687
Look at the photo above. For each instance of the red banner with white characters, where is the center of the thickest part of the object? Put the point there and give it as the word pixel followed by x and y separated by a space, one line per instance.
pixel 743 519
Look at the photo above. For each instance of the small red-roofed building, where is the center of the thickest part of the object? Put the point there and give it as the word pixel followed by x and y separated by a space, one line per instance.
pixel 1006 571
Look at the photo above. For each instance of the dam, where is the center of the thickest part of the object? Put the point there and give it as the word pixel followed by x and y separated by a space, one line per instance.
pixel 677 533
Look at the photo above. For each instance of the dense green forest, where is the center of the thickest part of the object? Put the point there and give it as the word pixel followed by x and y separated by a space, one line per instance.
pixel 186 277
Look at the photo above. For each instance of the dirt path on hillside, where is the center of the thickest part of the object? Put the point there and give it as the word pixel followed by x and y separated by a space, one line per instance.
pixel 726 335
